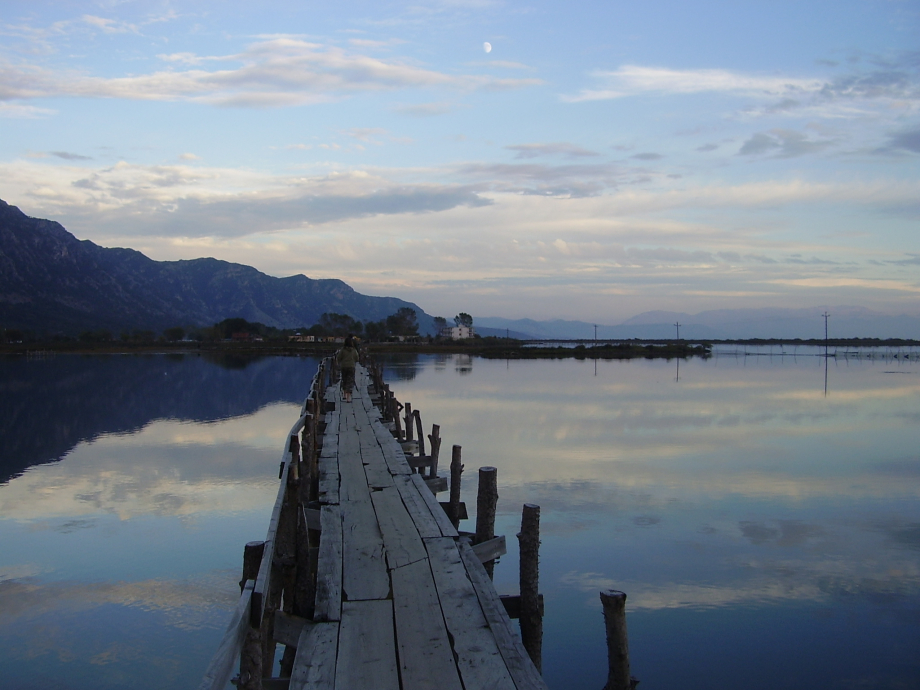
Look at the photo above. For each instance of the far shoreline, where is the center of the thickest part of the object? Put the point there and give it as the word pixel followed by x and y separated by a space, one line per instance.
pixel 490 348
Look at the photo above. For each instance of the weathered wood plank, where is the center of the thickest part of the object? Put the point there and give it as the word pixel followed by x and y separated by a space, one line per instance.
pixel 288 628
pixel 523 672
pixel 400 536
pixel 329 570
pixel 367 650
pixel 436 484
pixel 328 487
pixel 444 524
pixel 478 656
pixel 418 509
pixel 364 567
pixel 315 662
pixel 490 550
pixel 426 660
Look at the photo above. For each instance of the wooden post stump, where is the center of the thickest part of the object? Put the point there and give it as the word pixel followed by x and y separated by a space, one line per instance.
pixel 531 621
pixel 486 502
pixel 618 678
pixel 456 469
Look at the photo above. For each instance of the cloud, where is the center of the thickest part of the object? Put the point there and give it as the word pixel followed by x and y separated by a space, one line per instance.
pixel 634 79
pixel 707 147
pixel 563 149
pixel 274 73
pixel 109 26
pixel 70 156
pixel 782 143
pixel 908 140
pixel 894 87
pixel 17 110
pixel 647 156
pixel 427 109
pixel 189 157
pixel 365 134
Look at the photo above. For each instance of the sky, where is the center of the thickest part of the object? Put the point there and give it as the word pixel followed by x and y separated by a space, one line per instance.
pixel 588 160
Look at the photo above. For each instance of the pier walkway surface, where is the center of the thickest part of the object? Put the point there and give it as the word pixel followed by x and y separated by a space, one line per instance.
pixel 402 601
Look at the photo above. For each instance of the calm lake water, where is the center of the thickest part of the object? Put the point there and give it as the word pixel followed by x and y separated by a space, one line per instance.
pixel 761 512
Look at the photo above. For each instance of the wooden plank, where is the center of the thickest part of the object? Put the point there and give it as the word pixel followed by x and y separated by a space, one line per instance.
pixel 436 484
pixel 444 524
pixel 490 550
pixel 315 661
pixel 426 660
pixel 478 657
pixel 367 650
pixel 287 628
pixel 328 488
pixel 462 514
pixel 418 509
pixel 227 656
pixel 523 672
pixel 329 568
pixel 313 518
pixel 512 604
pixel 400 536
pixel 364 570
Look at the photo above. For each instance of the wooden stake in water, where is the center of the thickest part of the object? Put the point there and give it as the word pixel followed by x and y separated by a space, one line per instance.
pixel 456 469
pixel 618 678
pixel 531 621
pixel 486 502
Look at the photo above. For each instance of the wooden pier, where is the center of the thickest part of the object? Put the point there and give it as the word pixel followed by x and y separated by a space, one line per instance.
pixel 364 578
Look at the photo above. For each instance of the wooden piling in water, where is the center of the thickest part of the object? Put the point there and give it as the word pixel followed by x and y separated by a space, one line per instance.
pixel 531 621
pixel 456 469
pixel 434 439
pixel 410 431
pixel 486 502
pixel 618 678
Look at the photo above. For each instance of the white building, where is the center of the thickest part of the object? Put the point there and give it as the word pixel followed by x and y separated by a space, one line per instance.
pixel 457 332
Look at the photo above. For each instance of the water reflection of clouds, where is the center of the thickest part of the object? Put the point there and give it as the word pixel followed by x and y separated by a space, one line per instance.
pixel 185 603
pixel 169 468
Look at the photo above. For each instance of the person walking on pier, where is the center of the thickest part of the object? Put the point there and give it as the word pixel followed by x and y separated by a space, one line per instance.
pixel 347 358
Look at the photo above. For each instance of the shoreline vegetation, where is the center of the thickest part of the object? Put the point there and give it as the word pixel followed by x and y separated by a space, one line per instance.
pixel 487 347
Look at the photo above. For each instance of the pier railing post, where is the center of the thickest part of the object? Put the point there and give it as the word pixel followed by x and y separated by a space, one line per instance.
pixel 531 620
pixel 486 502
pixel 456 469
pixel 618 678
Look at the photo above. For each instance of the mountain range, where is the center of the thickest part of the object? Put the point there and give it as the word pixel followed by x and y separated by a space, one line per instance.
pixel 52 282
pixel 721 324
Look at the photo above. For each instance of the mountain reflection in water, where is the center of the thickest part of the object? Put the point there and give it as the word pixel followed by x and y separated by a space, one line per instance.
pixel 49 405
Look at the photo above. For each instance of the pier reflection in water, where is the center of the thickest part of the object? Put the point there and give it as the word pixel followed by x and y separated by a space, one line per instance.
pixel 767 535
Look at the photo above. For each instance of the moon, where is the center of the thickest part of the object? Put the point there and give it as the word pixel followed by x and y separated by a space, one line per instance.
pixel 487 47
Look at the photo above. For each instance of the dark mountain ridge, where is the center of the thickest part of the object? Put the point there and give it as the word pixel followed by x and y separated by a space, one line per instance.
pixel 52 282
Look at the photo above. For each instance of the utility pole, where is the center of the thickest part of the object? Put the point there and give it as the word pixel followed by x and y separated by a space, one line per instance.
pixel 825 315
pixel 595 335
pixel 678 330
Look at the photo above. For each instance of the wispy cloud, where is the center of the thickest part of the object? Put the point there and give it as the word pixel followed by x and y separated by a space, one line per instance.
pixel 782 143
pixel 635 79
pixel 563 149
pixel 273 73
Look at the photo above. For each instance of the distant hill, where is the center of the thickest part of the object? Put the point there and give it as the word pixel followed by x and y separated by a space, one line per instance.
pixel 723 324
pixel 52 282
